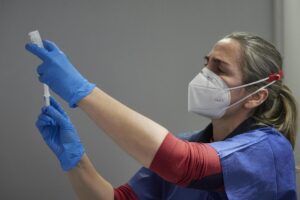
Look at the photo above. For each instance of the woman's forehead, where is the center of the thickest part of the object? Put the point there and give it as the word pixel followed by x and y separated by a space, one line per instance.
pixel 227 50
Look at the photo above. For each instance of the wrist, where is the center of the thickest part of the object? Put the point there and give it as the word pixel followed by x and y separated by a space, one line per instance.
pixel 81 164
pixel 83 168
pixel 88 98
pixel 70 160
pixel 82 92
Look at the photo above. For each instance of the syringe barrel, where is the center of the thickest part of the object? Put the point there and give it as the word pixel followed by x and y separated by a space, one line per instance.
pixel 46 95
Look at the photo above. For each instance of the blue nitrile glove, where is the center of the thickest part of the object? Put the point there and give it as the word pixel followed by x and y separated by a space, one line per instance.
pixel 59 74
pixel 60 135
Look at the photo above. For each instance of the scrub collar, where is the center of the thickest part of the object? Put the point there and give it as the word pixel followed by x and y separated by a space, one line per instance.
pixel 247 125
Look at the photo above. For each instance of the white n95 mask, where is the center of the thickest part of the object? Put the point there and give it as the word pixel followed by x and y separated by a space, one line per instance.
pixel 210 97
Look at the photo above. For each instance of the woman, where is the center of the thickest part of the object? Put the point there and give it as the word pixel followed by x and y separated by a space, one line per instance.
pixel 245 153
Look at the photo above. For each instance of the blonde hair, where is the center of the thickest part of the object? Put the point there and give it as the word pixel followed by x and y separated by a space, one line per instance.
pixel 259 59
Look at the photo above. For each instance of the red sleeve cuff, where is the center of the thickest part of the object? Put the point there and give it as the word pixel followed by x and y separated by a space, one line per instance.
pixel 181 162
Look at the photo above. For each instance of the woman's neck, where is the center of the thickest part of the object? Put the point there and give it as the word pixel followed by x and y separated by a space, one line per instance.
pixel 224 126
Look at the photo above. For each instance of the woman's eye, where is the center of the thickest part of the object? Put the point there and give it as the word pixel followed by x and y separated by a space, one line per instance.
pixel 220 70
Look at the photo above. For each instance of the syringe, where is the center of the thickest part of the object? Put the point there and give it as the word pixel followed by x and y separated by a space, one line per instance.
pixel 36 39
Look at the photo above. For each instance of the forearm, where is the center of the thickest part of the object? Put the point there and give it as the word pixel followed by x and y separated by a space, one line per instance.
pixel 87 183
pixel 135 133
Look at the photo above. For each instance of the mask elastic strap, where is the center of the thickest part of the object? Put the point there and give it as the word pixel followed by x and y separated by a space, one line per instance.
pixel 244 98
pixel 248 84
pixel 271 78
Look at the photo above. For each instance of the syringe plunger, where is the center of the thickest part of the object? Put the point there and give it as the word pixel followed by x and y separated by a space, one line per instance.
pixel 36 39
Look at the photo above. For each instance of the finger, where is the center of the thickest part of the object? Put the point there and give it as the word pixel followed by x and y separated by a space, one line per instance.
pixel 41 125
pixel 43 110
pixel 57 106
pixel 40 69
pixel 39 52
pixel 50 46
pixel 46 120
pixel 41 79
pixel 55 114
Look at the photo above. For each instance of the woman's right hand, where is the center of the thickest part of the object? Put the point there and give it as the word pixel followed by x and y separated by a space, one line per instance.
pixel 59 73
pixel 60 135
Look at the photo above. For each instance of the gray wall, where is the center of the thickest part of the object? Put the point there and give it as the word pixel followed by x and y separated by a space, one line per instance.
pixel 142 52
pixel 291 49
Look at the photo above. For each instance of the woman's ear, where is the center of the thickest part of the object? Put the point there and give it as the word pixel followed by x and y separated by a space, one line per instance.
pixel 256 99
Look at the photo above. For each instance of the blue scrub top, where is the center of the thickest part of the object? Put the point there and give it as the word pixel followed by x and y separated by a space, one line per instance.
pixel 257 163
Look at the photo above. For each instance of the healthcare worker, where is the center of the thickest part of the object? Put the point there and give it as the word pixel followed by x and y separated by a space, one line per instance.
pixel 245 153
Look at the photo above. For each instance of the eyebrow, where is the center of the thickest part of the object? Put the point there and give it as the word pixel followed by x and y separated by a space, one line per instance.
pixel 207 57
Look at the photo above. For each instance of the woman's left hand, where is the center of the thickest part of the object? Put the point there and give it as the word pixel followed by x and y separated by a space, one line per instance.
pixel 60 135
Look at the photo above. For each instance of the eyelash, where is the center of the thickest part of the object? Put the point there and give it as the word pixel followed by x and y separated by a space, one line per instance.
pixel 206 60
pixel 221 71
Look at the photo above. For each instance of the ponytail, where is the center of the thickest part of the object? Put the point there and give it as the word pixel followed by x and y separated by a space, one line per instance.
pixel 280 111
